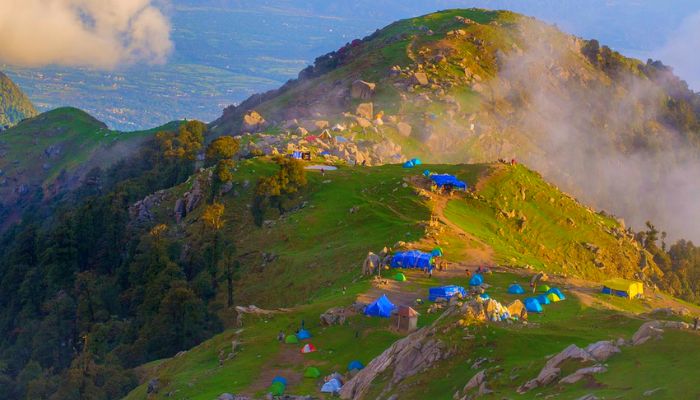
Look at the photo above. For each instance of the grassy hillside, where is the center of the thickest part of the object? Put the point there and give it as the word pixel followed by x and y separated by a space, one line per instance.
pixel 49 153
pixel 320 248
pixel 14 104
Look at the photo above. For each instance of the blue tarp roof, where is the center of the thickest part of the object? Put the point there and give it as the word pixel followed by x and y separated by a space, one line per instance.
pixel 355 365
pixel 447 179
pixel 445 292
pixel 515 289
pixel 557 292
pixel 532 305
pixel 331 386
pixel 382 307
pixel 476 280
pixel 303 334
pixel 412 259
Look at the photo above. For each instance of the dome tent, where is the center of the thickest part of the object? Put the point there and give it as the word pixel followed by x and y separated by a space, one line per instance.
pixel 291 339
pixel 312 372
pixel 553 297
pixel 543 288
pixel 276 389
pixel 437 252
pixel 485 296
pixel 332 386
pixel 476 280
pixel 308 348
pixel 557 292
pixel 412 259
pixel 280 379
pixel 532 305
pixel 382 307
pixel 515 289
pixel 355 364
pixel 409 164
pixel 303 334
pixel 400 277
pixel 543 299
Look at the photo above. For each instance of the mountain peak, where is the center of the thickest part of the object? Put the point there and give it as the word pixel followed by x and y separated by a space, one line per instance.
pixel 14 104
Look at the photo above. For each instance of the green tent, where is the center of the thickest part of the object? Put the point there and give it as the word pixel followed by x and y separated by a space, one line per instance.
pixel 312 372
pixel 543 288
pixel 277 389
pixel 291 339
pixel 400 277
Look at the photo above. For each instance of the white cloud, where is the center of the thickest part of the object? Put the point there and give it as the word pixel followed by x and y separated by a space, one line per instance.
pixel 682 51
pixel 102 34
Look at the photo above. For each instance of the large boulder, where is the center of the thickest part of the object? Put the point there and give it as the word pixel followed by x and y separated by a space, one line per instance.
pixel 362 90
pixel 253 121
pixel 582 373
pixel 420 78
pixel 365 110
pixel 517 309
pixel 404 129
pixel 602 350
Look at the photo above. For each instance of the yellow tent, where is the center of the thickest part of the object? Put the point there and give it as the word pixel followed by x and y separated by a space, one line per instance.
pixel 553 297
pixel 623 288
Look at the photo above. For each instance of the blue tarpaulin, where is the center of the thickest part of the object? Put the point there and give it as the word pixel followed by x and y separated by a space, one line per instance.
pixel 445 292
pixel 447 179
pixel 331 386
pixel 382 307
pixel 412 259
pixel 476 280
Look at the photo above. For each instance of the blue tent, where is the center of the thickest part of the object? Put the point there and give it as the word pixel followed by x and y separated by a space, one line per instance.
pixel 557 292
pixel 409 164
pixel 515 289
pixel 447 179
pixel 297 155
pixel 437 252
pixel 543 299
pixel 332 386
pixel 485 296
pixel 412 259
pixel 280 380
pixel 476 280
pixel 381 307
pixel 416 161
pixel 426 172
pixel 341 139
pixel 445 292
pixel 325 153
pixel 532 305
pixel 303 334
pixel 355 365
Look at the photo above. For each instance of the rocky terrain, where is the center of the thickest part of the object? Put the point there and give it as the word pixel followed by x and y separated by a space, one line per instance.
pixel 14 104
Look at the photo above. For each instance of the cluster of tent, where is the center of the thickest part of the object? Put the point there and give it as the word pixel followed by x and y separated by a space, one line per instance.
pixel 302 334
pixel 414 259
pixel 334 382
pixel 412 163
pixel 548 295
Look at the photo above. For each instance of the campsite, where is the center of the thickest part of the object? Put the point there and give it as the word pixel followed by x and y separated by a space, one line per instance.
pixel 507 346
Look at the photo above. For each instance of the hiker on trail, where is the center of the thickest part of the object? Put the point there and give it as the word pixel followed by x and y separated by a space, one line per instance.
pixel 364 162
pixel 302 324
pixel 695 323
pixel 469 274
pixel 280 337
pixel 323 172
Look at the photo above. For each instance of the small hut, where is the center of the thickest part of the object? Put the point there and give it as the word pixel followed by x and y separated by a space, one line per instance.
pixel 406 319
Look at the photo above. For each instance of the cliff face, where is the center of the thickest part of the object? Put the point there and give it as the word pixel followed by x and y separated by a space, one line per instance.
pixel 14 104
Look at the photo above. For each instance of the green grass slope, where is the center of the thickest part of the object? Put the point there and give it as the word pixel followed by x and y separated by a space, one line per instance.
pixel 14 104
pixel 319 251
pixel 48 153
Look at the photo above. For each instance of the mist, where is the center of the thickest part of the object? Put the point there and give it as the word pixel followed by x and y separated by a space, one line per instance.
pixel 602 142
pixel 682 51
pixel 101 34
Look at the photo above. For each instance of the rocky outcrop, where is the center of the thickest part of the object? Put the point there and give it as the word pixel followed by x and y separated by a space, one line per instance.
pixel 365 110
pixel 404 129
pixel 551 371
pixel 655 330
pixel 336 316
pixel 602 350
pixel 420 78
pixel 582 373
pixel 142 210
pixel 189 201
pixel 362 90
pixel 406 357
pixel 253 121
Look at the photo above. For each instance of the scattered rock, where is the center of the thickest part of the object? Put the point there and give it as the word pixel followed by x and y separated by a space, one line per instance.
pixel 420 78
pixel 365 110
pixel 602 350
pixel 362 90
pixel 476 381
pixel 404 129
pixel 153 386
pixel 583 372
